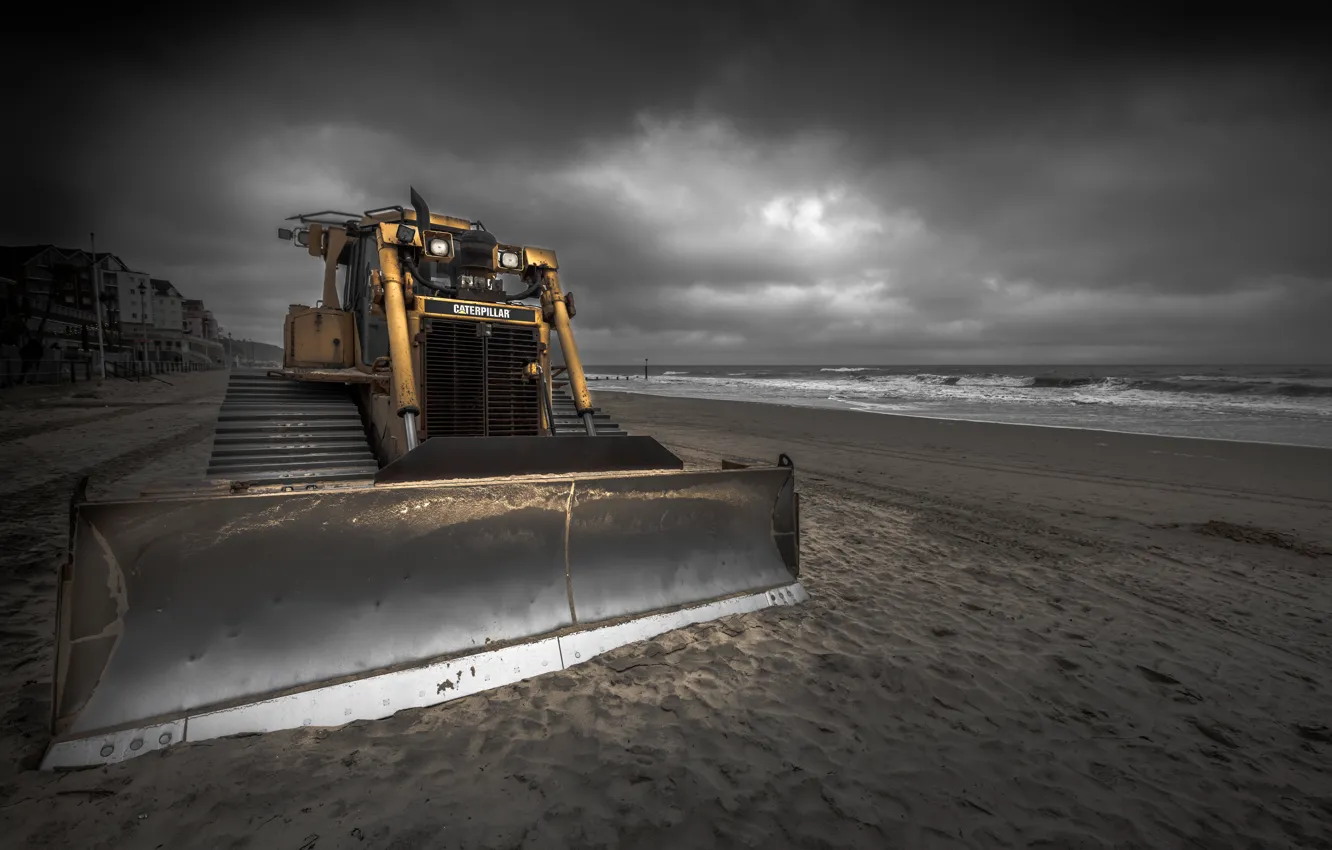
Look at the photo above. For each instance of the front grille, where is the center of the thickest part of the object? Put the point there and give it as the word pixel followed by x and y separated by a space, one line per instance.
pixel 474 384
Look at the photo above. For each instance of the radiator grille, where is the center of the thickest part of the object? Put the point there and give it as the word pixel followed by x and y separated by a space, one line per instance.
pixel 474 385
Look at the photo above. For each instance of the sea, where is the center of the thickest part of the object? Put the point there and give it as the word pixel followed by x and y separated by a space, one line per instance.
pixel 1266 404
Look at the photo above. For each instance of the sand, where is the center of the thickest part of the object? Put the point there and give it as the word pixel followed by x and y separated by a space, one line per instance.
pixel 1018 637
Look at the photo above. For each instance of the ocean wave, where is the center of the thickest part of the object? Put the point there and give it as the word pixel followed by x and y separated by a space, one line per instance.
pixel 1192 384
pixel 1228 386
pixel 1285 394
pixel 1057 382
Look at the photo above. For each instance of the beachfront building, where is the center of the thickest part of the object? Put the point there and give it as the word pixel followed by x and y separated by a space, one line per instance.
pixel 164 335
pixel 199 319
pixel 135 305
pixel 49 311
pixel 201 343
pixel 48 307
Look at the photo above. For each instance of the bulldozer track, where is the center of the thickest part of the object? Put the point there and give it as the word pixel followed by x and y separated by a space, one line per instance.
pixel 567 421
pixel 272 430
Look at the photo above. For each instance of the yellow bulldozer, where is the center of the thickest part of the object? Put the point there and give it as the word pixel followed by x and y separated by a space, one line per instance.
pixel 421 504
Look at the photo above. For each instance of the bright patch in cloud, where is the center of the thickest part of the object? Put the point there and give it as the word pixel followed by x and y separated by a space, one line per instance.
pixel 703 188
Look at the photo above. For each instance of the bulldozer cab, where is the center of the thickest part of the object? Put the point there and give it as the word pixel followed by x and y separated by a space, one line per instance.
pixel 420 504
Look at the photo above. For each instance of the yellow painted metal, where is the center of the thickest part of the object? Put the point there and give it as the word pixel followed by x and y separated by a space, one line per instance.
pixel 552 301
pixel 540 257
pixel 318 337
pixel 429 305
pixel 388 235
pixel 437 221
pixel 395 311
pixel 337 240
pixel 315 247
pixel 547 382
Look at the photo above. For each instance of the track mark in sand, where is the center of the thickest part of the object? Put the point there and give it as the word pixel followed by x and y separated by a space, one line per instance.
pixel 38 496
pixel 1304 663
pixel 118 410
pixel 1133 600
pixel 964 521
pixel 1130 599
pixel 1259 537
pixel 918 500
pixel 1246 585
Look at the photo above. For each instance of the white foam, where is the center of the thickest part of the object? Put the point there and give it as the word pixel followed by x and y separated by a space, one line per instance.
pixel 1114 403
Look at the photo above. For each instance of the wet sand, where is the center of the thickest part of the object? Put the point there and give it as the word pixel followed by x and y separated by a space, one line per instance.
pixel 1017 637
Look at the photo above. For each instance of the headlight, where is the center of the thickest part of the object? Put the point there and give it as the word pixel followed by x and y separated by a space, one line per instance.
pixel 508 259
pixel 438 247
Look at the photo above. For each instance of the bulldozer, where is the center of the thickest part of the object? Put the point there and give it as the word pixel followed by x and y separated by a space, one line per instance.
pixel 421 504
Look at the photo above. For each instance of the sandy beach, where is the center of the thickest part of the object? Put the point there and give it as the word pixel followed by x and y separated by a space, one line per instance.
pixel 1017 637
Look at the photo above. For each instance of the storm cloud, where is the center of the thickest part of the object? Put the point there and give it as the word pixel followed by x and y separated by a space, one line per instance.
pixel 759 182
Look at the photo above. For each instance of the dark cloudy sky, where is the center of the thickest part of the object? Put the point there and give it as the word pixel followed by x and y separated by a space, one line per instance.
pixel 728 183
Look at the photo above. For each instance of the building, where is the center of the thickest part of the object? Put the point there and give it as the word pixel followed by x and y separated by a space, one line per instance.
pixel 167 313
pixel 202 342
pixel 166 332
pixel 50 296
pixel 130 295
pixel 199 321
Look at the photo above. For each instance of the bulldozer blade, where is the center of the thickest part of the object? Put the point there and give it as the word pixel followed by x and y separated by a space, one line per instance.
pixel 196 617
pixel 446 458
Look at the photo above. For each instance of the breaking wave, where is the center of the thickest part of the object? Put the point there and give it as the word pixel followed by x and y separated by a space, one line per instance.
pixel 1183 384
pixel 1226 386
